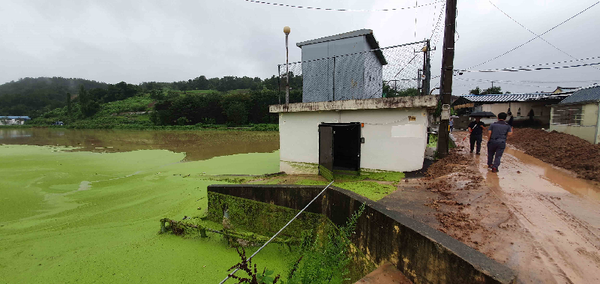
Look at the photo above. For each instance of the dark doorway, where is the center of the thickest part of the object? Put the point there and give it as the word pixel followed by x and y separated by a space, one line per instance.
pixel 339 147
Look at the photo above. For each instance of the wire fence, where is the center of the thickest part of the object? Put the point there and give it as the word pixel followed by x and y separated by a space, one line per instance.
pixel 376 73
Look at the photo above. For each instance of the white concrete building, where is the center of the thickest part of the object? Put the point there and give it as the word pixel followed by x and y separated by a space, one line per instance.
pixel 375 134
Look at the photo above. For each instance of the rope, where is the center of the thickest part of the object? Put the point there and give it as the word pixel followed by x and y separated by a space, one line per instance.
pixel 281 230
pixel 342 9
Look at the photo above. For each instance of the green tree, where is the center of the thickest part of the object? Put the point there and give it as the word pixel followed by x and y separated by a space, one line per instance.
pixel 87 104
pixel 476 91
pixel 492 90
pixel 69 104
pixel 236 113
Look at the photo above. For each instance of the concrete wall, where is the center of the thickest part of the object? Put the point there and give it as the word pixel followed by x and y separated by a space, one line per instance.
pixel 540 110
pixel 588 130
pixel 392 141
pixel 422 253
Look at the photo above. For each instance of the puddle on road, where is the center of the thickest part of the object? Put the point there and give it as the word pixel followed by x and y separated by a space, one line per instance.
pixel 562 178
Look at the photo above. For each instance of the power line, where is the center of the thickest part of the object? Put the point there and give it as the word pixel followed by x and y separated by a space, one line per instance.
pixel 342 9
pixel 533 65
pixel 537 36
pixel 531 69
pixel 501 81
pixel 532 32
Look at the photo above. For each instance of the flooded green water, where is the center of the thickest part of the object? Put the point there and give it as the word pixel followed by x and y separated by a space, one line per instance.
pixel 91 215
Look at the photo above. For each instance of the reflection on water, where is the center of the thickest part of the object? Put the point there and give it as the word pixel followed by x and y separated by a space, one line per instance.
pixel 14 133
pixel 198 145
pixel 560 177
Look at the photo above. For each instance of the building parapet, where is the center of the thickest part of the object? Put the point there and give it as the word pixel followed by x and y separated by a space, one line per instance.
pixel 368 104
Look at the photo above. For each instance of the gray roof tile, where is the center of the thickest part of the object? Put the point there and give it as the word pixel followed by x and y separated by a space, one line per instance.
pixel 591 94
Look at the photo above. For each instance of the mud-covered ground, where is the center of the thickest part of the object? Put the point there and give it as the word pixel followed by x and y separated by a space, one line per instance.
pixel 560 149
pixel 537 219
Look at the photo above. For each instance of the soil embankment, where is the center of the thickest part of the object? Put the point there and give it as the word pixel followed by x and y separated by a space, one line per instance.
pixel 560 149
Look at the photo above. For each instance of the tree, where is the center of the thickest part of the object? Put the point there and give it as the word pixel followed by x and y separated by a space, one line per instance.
pixel 88 105
pixel 492 90
pixel 68 104
pixel 236 113
pixel 476 91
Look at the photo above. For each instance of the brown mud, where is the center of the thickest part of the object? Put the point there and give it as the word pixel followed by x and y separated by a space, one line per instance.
pixel 560 149
pixel 538 219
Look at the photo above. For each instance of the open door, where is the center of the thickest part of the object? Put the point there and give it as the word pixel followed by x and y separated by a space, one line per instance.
pixel 326 151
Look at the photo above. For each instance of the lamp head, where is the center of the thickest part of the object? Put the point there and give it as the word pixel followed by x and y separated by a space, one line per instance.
pixel 287 30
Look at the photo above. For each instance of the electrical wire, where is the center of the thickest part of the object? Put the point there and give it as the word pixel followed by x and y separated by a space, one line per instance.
pixel 500 81
pixel 539 64
pixel 534 38
pixel 535 34
pixel 343 9
pixel 531 69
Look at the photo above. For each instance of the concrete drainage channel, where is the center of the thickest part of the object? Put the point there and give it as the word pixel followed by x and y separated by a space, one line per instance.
pixel 421 253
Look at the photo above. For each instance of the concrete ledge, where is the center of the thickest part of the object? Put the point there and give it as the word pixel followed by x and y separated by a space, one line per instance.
pixel 422 253
pixel 379 103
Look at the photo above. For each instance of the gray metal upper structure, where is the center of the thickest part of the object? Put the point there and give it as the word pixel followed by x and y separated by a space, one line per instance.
pixel 346 66
pixel 586 95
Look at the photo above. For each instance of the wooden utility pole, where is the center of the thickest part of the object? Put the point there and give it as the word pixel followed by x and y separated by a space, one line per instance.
pixel 446 78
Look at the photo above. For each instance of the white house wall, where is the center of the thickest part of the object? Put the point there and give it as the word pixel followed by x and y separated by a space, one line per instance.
pixel 392 141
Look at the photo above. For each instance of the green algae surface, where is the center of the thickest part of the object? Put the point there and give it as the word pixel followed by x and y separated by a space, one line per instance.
pixel 88 217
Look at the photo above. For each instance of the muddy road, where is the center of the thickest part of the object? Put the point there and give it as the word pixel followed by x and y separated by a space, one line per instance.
pixel 553 217
pixel 538 219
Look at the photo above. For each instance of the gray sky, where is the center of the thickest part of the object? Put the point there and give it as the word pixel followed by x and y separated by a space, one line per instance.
pixel 137 41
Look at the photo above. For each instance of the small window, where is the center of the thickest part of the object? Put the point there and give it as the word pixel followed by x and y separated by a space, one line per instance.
pixel 567 115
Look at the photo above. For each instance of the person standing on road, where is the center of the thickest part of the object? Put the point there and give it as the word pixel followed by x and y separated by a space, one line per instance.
pixel 476 129
pixel 498 132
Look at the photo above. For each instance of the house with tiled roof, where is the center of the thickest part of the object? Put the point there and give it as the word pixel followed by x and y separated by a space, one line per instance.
pixel 579 114
pixel 534 106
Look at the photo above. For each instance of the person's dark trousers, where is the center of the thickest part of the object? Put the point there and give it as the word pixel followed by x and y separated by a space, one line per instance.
pixel 475 139
pixel 495 151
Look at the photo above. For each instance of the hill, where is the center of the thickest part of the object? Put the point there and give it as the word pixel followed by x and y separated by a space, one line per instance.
pixel 34 96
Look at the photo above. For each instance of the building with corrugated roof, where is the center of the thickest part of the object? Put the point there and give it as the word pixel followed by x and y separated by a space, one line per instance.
pixel 579 114
pixel 535 106
pixel 13 120
pixel 342 67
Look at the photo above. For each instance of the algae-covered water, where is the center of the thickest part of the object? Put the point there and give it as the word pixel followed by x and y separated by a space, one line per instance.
pixel 92 217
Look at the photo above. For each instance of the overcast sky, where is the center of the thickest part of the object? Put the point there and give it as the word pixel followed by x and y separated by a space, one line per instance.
pixel 137 41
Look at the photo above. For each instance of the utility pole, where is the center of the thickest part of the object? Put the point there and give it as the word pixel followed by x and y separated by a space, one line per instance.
pixel 286 31
pixel 446 78
pixel 426 69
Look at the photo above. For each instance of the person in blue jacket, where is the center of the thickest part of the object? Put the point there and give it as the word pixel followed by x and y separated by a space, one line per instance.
pixel 498 132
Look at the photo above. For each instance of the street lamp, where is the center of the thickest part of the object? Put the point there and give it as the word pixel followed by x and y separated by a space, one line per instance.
pixel 286 31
